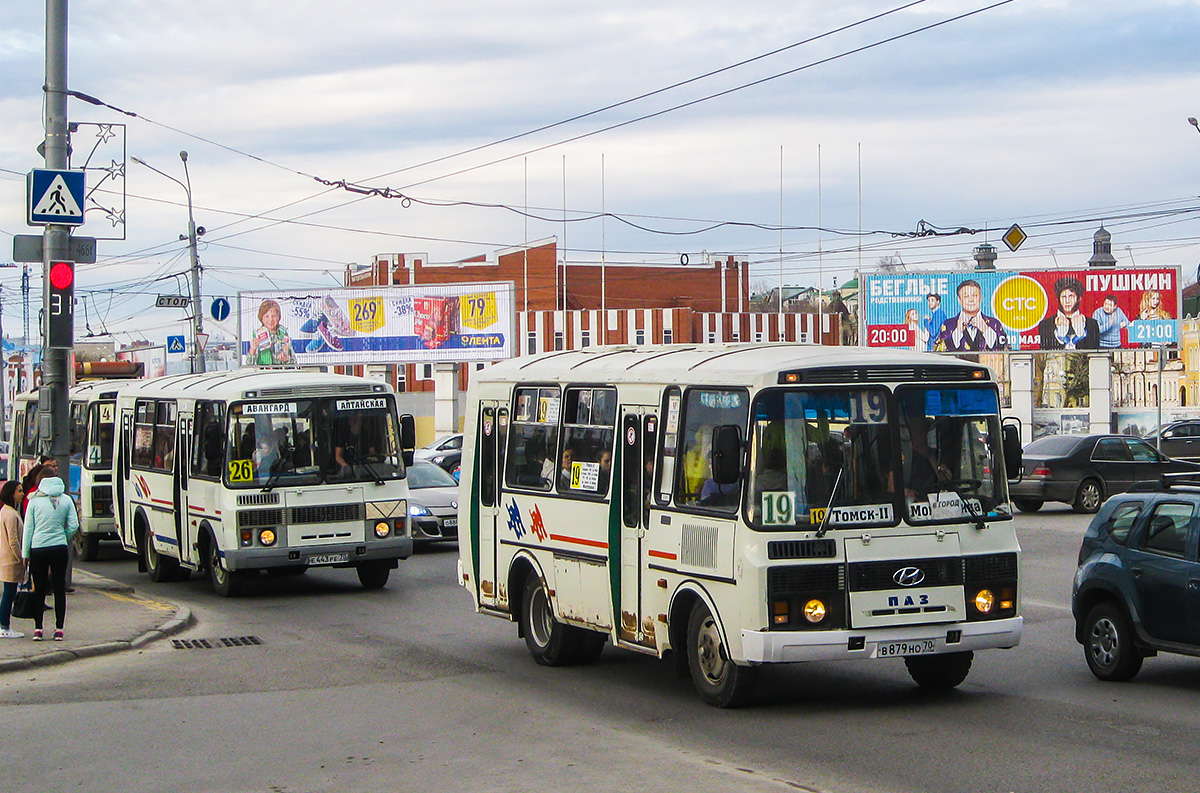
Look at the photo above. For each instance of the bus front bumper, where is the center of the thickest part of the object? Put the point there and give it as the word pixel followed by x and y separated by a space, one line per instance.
pixel 347 554
pixel 791 646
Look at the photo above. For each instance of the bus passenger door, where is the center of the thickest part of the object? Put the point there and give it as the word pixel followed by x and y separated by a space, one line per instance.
pixel 185 524
pixel 487 475
pixel 121 446
pixel 639 433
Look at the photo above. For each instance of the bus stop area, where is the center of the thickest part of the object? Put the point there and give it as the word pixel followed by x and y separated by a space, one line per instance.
pixel 103 616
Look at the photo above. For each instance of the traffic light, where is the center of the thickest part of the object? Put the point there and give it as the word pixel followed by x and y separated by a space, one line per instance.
pixel 60 309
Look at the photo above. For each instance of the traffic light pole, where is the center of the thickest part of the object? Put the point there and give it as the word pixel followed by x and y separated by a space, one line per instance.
pixel 52 402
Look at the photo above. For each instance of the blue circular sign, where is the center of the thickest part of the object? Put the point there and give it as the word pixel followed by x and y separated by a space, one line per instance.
pixel 220 309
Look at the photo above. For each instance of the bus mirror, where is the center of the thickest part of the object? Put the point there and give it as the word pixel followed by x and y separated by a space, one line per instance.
pixel 408 437
pixel 1012 451
pixel 408 432
pixel 726 454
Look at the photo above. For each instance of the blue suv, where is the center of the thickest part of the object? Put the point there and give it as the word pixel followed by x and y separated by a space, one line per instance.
pixel 1137 587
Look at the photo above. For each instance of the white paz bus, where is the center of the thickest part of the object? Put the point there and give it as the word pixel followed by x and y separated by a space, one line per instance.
pixel 744 504
pixel 249 470
pixel 89 480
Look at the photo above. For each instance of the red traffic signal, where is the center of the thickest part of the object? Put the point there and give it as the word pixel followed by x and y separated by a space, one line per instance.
pixel 62 275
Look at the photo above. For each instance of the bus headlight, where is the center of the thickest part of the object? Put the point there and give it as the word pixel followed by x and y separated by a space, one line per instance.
pixel 984 601
pixel 814 611
pixel 382 528
pixel 266 537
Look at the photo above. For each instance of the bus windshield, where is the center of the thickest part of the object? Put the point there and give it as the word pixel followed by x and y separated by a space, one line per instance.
pixel 830 457
pixel 310 441
pixel 950 441
pixel 812 450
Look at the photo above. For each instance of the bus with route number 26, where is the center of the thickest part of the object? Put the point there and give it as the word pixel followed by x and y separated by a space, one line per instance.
pixel 242 471
pixel 745 504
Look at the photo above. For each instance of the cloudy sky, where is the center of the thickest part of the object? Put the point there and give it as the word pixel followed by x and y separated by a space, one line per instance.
pixel 699 127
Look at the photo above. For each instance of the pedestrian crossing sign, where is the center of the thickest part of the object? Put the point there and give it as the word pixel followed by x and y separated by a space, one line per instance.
pixel 176 344
pixel 55 197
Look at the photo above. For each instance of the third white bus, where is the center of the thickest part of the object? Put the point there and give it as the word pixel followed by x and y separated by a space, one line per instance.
pixel 738 505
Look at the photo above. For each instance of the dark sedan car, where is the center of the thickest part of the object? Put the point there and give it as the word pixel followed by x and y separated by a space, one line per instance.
pixel 1178 439
pixel 1083 470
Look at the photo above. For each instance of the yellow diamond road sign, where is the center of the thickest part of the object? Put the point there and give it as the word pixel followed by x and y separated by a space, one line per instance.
pixel 1014 237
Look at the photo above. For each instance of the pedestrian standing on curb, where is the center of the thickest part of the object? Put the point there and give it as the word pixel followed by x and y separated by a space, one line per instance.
pixel 13 570
pixel 50 523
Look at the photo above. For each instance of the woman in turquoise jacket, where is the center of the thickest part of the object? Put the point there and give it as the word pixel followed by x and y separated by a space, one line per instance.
pixel 50 523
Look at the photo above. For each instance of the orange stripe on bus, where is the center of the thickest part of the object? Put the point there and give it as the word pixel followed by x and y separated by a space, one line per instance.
pixel 579 541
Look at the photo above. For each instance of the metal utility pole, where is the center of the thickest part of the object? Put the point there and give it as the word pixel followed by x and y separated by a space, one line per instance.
pixel 52 402
pixel 197 309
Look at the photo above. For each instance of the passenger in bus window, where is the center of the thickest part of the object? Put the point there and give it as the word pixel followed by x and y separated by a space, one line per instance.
pixel 564 469
pixel 266 458
pixel 925 470
pixel 605 467
pixel 696 466
pixel 353 446
pixel 713 494
pixel 214 448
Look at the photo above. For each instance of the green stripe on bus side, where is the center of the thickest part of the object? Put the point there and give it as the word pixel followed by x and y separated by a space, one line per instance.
pixel 474 511
pixel 614 534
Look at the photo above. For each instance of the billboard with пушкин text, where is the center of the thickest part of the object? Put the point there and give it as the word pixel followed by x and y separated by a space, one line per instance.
pixel 435 323
pixel 1023 311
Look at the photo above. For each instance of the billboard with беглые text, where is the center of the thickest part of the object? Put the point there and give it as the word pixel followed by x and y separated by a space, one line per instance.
pixel 1024 310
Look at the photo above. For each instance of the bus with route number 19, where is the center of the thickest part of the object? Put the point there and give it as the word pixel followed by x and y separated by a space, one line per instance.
pixel 744 504
pixel 242 471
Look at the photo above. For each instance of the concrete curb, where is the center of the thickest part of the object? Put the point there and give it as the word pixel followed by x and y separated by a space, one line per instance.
pixel 181 619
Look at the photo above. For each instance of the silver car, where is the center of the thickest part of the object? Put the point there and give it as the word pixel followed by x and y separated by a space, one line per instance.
pixel 432 503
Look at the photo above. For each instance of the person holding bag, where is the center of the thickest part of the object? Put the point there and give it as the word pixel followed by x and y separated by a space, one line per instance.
pixel 13 570
pixel 50 523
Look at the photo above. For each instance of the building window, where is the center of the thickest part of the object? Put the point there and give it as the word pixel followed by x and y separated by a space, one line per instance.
pixel 401 378
pixel 427 371
pixel 533 342
pixel 639 336
pixel 668 336
pixel 558 340
pixel 585 338
pixel 712 337
pixel 758 336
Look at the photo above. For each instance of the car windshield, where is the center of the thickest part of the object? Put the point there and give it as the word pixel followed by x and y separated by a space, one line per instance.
pixel 1053 445
pixel 425 475
pixel 309 441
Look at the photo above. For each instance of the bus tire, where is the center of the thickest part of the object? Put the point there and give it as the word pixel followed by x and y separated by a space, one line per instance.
pixel 226 583
pixel 374 575
pixel 550 642
pixel 88 546
pixel 589 645
pixel 161 569
pixel 939 672
pixel 720 682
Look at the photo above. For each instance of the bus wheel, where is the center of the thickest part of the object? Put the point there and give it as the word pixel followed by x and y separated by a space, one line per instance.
pixel 373 575
pixel 160 568
pixel 719 680
pixel 550 642
pixel 226 583
pixel 939 672
pixel 88 546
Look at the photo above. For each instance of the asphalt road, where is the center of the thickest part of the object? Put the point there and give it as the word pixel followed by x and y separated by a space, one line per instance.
pixel 406 688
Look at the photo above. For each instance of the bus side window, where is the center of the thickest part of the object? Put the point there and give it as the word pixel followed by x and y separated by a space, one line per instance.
pixel 209 439
pixel 670 447
pixel 532 460
pixel 706 409
pixel 78 430
pixel 143 434
pixel 589 418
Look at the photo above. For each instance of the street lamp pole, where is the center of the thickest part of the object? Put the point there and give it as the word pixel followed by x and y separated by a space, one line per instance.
pixel 193 231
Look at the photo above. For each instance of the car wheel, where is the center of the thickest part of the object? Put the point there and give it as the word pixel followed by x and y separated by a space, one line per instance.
pixel 88 546
pixel 1108 644
pixel 1027 505
pixel 1088 497
pixel 720 681
pixel 939 672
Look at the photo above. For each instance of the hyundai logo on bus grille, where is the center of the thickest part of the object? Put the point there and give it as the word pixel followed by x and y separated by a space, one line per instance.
pixel 908 576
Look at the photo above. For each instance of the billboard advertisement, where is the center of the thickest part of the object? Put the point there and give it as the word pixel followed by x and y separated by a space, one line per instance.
pixel 1022 311
pixel 434 323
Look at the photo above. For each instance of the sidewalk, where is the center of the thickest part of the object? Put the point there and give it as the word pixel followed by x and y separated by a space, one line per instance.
pixel 103 616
